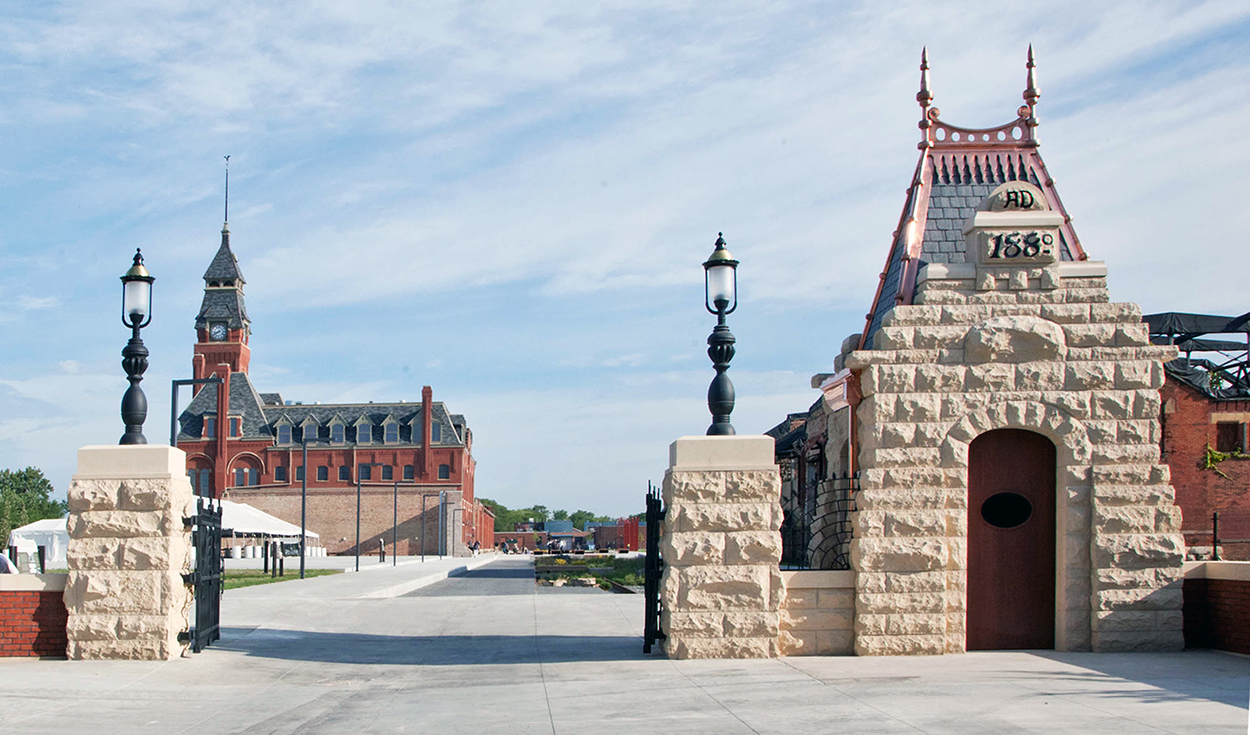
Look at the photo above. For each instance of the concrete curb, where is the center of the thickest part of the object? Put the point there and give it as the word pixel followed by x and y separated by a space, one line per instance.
pixel 404 588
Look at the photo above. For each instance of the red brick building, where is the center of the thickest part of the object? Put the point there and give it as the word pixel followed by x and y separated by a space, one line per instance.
pixel 412 460
pixel 1206 414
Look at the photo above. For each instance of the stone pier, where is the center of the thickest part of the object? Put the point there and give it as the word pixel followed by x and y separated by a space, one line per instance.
pixel 722 587
pixel 128 549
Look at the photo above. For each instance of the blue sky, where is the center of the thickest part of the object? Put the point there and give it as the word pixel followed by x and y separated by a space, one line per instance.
pixel 511 201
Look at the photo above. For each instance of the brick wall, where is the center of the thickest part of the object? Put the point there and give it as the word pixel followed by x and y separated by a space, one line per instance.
pixel 1189 425
pixel 32 617
pixel 1217 606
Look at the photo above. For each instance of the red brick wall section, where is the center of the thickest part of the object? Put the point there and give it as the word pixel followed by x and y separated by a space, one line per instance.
pixel 1187 430
pixel 1217 614
pixel 32 623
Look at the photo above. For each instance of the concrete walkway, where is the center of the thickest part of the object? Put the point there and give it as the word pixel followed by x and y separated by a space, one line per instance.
pixel 487 652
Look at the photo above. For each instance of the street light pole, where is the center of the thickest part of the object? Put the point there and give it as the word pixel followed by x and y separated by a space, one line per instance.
pixel 136 314
pixel 395 529
pixel 303 508
pixel 720 292
pixel 358 468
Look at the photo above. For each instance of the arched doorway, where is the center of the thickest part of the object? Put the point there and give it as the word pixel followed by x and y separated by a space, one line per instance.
pixel 1011 541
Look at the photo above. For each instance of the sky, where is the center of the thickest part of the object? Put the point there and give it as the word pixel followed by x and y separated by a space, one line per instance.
pixel 510 202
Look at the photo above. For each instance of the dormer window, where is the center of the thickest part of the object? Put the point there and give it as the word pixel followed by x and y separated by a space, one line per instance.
pixel 234 426
pixel 310 432
pixel 338 434
pixel 210 427
pixel 364 434
pixel 284 434
pixel 436 432
pixel 392 433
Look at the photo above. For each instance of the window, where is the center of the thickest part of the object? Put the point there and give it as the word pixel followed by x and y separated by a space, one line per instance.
pixel 299 473
pixel 392 434
pixel 310 433
pixel 388 472
pixel 240 476
pixel 410 472
pixel 234 426
pixel 279 474
pixel 366 472
pixel 436 432
pixel 284 434
pixel 210 427
pixel 364 434
pixel 337 434
pixel 323 473
pixel 1228 437
pixel 253 476
pixel 345 473
pixel 206 488
pixel 444 471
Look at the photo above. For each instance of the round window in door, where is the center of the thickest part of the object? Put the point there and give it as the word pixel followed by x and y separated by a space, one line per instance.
pixel 1006 510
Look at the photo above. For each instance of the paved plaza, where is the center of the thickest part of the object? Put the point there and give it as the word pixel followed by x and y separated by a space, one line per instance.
pixel 396 650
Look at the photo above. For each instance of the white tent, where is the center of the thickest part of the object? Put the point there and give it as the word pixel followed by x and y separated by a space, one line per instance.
pixel 245 520
pixel 49 533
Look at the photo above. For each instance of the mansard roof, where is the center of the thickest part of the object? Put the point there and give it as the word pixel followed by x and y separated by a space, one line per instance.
pixel 958 169
pixel 245 403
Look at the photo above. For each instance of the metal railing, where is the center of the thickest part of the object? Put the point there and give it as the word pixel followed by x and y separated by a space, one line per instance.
pixel 816 525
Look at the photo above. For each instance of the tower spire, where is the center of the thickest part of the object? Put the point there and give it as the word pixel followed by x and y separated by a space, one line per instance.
pixel 1030 88
pixel 924 96
pixel 226 220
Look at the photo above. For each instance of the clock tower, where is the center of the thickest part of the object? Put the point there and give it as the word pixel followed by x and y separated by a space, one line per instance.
pixel 222 328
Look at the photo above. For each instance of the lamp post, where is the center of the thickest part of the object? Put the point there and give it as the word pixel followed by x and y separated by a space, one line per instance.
pixel 136 314
pixel 720 294
pixel 359 466
pixel 303 507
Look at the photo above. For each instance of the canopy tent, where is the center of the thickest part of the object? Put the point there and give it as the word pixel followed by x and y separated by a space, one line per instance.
pixel 244 520
pixel 1226 375
pixel 49 533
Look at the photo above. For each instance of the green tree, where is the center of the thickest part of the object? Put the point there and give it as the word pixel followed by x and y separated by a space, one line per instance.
pixel 581 517
pixel 560 515
pixel 25 497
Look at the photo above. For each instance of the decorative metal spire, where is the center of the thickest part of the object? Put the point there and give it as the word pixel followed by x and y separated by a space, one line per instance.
pixel 1030 88
pixel 924 96
pixel 226 221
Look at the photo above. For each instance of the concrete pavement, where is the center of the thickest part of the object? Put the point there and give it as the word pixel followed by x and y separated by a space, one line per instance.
pixel 487 652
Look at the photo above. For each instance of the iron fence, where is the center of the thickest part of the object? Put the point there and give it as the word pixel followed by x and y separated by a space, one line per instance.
pixel 1222 535
pixel 816 525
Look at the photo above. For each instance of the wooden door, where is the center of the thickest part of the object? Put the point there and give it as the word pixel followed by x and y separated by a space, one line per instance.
pixel 1011 541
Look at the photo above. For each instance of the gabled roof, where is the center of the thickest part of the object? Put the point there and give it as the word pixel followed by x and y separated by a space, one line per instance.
pixel 958 169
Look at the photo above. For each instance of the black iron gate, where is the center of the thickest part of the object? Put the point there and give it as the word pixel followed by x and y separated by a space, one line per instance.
pixel 206 579
pixel 816 525
pixel 653 568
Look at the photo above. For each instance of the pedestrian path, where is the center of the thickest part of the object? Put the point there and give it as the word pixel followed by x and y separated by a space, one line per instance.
pixel 486 651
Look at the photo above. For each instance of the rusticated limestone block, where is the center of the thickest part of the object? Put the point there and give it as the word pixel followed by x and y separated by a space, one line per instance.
pixel 1014 339
pixel 127 552
pixel 721 547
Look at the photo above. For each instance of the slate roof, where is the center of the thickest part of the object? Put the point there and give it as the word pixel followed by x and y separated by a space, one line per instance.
pixel 958 169
pixel 223 303
pixel 260 418
pixel 1224 373
pixel 225 267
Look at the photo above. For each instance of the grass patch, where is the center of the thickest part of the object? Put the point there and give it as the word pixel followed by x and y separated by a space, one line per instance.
pixel 236 578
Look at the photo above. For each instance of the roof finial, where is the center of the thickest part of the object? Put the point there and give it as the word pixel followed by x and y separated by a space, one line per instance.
pixel 1030 88
pixel 924 96
pixel 227 218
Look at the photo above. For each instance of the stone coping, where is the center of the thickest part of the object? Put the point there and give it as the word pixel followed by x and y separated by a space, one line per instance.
pixel 133 462
pixel 33 582
pixel 968 271
pixel 722 453
pixel 1230 570
pixel 819 579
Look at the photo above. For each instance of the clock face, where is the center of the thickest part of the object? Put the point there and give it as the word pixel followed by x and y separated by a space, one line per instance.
pixel 217 332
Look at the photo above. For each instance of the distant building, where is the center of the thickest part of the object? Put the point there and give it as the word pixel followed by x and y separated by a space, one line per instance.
pixel 250 446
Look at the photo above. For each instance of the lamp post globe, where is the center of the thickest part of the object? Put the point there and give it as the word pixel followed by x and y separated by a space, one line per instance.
pixel 136 314
pixel 720 294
